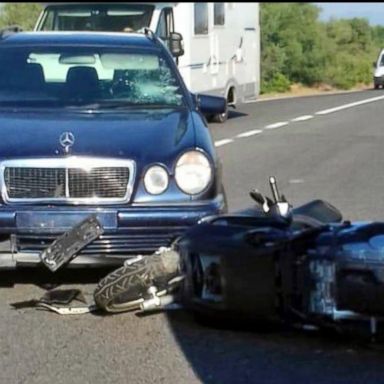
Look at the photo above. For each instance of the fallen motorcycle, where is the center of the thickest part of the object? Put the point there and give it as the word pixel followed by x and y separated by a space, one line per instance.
pixel 302 266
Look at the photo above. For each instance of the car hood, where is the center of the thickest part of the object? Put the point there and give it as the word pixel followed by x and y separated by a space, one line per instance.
pixel 142 135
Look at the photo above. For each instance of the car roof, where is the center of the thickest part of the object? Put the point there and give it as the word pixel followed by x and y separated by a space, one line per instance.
pixel 138 40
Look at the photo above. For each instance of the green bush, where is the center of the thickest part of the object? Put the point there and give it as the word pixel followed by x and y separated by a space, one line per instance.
pixel 347 70
pixel 23 14
pixel 278 83
pixel 297 48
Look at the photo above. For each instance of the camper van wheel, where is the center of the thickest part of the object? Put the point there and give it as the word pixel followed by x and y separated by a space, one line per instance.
pixel 220 118
pixel 231 100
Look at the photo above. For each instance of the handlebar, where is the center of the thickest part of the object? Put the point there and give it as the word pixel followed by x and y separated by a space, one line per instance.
pixel 312 214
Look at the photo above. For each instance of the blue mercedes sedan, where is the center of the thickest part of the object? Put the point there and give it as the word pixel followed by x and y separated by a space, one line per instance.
pixel 100 124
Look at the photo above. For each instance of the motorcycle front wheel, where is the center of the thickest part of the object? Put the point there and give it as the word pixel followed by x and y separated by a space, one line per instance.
pixel 126 288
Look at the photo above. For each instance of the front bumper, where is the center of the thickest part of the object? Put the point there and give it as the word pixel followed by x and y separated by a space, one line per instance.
pixel 26 230
pixel 378 80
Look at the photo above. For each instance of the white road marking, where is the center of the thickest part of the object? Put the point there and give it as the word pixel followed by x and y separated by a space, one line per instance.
pixel 303 118
pixel 250 133
pixel 296 181
pixel 223 142
pixel 350 105
pixel 277 125
pixel 297 119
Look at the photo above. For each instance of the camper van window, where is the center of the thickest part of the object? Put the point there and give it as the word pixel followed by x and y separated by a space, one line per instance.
pixel 201 18
pixel 165 25
pixel 161 30
pixel 97 17
pixel 170 22
pixel 219 14
pixel 49 22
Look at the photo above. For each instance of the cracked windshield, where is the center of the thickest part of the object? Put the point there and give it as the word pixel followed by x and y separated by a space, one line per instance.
pixel 64 76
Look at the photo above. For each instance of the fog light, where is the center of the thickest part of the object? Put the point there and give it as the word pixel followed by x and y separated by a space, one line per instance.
pixel 156 180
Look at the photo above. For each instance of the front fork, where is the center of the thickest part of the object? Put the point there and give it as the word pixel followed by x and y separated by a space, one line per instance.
pixel 164 296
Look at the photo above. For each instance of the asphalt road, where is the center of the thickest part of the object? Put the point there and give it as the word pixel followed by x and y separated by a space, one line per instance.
pixel 337 156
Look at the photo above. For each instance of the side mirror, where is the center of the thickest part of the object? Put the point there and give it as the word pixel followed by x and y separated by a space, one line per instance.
pixel 175 44
pixel 211 105
pixel 374 64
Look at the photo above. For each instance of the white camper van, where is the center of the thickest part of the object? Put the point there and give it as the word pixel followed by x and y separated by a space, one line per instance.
pixel 221 40
pixel 378 71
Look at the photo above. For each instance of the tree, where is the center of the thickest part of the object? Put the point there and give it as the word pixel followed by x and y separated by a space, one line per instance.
pixel 23 14
pixel 292 43
pixel 298 48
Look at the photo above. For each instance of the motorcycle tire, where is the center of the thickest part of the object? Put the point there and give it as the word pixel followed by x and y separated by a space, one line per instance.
pixel 127 287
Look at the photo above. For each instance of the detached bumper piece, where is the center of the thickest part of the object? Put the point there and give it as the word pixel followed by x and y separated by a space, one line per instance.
pixel 67 246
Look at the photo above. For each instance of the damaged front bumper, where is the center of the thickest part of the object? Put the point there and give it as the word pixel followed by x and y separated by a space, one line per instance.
pixel 26 231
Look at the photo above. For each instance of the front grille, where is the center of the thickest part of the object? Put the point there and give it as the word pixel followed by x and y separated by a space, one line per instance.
pixel 67 180
pixel 34 183
pixel 99 182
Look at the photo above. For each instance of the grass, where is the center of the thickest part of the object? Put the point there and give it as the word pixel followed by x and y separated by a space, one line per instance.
pixel 301 90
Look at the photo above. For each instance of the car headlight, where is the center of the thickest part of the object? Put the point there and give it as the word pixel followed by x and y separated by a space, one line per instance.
pixel 156 180
pixel 193 172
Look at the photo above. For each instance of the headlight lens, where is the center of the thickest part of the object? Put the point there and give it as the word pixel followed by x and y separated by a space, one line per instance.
pixel 156 180
pixel 193 172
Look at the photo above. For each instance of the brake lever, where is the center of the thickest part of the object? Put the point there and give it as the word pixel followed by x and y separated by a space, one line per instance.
pixel 263 201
